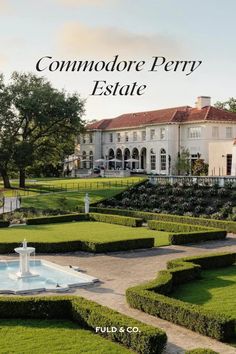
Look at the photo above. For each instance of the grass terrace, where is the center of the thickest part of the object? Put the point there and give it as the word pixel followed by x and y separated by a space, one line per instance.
pixel 31 336
pixel 83 230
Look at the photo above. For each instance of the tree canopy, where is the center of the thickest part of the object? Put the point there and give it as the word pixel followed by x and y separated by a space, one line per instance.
pixel 37 121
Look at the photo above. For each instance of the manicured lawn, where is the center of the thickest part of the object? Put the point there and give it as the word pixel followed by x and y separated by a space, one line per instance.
pixel 215 291
pixel 44 185
pixel 53 337
pixel 67 200
pixel 90 231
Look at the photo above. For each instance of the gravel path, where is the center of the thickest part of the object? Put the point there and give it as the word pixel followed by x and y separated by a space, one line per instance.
pixel 118 271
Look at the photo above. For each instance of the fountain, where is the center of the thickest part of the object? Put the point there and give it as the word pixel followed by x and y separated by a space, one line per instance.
pixel 25 276
pixel 25 253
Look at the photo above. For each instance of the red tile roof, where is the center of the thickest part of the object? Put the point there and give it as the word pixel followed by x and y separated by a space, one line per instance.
pixel 170 115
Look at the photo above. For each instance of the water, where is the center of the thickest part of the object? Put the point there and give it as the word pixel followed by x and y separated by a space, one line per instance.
pixel 50 277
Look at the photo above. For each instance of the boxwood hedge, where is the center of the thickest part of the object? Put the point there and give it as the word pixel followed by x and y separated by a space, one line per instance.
pixel 81 245
pixel 57 219
pixel 88 314
pixel 4 223
pixel 229 226
pixel 153 297
pixel 116 219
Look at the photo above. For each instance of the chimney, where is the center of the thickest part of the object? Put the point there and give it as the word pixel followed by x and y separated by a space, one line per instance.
pixel 203 101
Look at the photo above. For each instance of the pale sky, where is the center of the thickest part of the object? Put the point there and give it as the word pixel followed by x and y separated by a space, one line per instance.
pixel 133 29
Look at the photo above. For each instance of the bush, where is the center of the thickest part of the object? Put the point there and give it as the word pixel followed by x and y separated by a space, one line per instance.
pixel 57 219
pixel 151 297
pixel 173 226
pixel 116 219
pixel 4 223
pixel 88 314
pixel 229 226
pixel 197 236
pixel 86 246
pixel 201 351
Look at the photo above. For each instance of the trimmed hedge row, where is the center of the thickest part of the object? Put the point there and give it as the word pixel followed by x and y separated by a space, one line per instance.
pixel 4 223
pixel 187 233
pixel 195 237
pixel 88 314
pixel 201 351
pixel 174 226
pixel 57 219
pixel 81 245
pixel 151 297
pixel 116 219
pixel 229 226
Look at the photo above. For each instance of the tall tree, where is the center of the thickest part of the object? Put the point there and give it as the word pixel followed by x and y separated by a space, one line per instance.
pixel 182 165
pixel 45 116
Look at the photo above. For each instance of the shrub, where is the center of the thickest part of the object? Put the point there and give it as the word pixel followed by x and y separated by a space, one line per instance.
pixel 116 219
pixel 229 226
pixel 173 226
pixel 151 297
pixel 86 246
pixel 4 223
pixel 57 219
pixel 197 236
pixel 88 314
pixel 201 351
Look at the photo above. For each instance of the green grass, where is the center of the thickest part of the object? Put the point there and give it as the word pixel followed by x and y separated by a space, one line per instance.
pixel 52 337
pixel 36 186
pixel 67 200
pixel 90 231
pixel 215 291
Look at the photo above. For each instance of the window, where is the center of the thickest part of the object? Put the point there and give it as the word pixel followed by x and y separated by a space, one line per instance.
pixel 228 132
pixel 152 134
pixel 90 159
pixel 194 132
pixel 84 165
pixel 111 138
pixel 143 135
pixel 153 159
pixel 90 138
pixel 84 139
pixel 134 136
pixel 118 137
pixel 163 133
pixel 228 164
pixel 126 136
pixel 163 160
pixel 215 132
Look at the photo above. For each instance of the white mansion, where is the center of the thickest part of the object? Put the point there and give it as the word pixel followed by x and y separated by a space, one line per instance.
pixel 150 141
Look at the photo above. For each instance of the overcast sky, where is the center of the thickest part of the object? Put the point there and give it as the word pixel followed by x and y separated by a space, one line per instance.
pixel 133 29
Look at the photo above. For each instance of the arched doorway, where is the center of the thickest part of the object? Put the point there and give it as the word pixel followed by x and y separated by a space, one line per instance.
pixel 127 156
pixel 111 156
pixel 143 154
pixel 119 157
pixel 135 156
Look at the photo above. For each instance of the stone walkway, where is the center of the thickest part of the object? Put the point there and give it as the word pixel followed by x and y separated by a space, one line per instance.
pixel 118 271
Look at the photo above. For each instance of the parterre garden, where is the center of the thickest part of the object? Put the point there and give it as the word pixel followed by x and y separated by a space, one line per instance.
pixel 172 295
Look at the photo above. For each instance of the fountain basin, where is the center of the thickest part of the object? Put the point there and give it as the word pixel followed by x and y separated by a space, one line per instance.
pixel 50 277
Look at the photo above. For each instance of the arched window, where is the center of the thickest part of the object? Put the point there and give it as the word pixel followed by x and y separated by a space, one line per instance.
pixel 163 160
pixel 84 159
pixel 152 159
pixel 90 159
